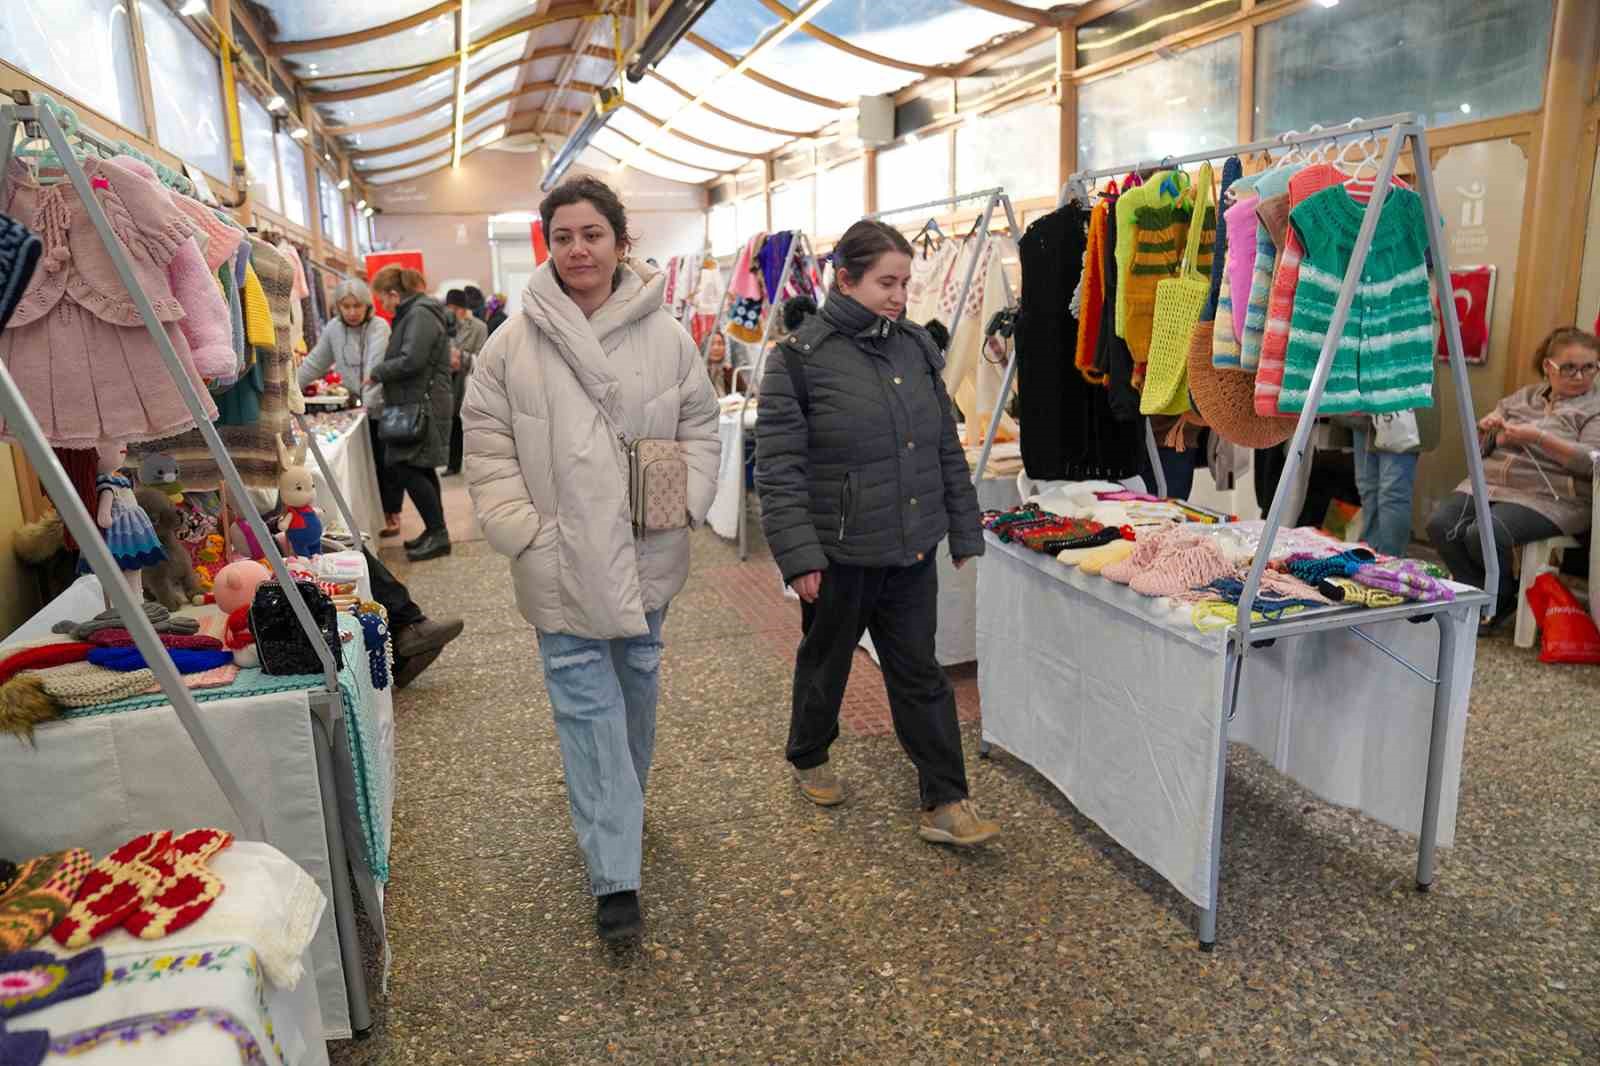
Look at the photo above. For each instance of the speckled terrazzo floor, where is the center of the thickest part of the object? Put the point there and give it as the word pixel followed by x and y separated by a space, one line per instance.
pixel 778 932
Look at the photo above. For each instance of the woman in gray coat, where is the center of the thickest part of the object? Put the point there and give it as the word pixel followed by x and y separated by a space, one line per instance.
pixel 416 370
pixel 861 476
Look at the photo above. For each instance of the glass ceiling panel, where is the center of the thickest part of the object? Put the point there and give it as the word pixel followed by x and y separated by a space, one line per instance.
pixel 409 173
pixel 498 85
pixel 693 69
pixel 639 128
pixel 434 145
pixel 734 136
pixel 437 88
pixel 355 81
pixel 916 31
pixel 299 21
pixel 808 64
pixel 401 132
pixel 593 70
pixel 432 40
pixel 544 69
pixel 613 144
pixel 485 16
pixel 736 25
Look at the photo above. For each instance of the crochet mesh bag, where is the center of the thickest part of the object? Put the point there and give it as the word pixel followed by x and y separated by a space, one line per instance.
pixel 1179 302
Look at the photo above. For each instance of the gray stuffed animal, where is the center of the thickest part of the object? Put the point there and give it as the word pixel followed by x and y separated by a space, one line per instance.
pixel 172 583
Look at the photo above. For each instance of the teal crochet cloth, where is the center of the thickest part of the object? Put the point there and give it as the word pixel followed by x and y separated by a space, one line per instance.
pixel 360 721
pixel 1385 357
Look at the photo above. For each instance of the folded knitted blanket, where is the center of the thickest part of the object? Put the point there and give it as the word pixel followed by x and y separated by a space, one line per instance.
pixel 187 661
pixel 121 638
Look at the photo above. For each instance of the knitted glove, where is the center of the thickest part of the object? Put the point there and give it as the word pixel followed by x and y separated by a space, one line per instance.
pixel 115 887
pixel 40 896
pixel 187 887
pixel 1353 593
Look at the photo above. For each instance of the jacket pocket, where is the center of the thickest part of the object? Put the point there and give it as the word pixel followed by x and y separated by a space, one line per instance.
pixel 847 499
pixel 535 461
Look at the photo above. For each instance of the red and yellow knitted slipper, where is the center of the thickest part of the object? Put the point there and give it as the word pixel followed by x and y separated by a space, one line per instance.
pixel 113 889
pixel 41 894
pixel 187 887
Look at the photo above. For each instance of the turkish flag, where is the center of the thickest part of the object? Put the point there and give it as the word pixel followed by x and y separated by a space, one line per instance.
pixel 378 260
pixel 541 251
pixel 1474 297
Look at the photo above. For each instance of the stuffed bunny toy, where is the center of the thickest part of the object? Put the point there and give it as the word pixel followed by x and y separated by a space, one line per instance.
pixel 300 527
pixel 172 582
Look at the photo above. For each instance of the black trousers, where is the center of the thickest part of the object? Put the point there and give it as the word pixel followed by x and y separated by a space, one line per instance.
pixel 392 593
pixel 422 482
pixel 1453 529
pixel 392 493
pixel 899 607
pixel 457 446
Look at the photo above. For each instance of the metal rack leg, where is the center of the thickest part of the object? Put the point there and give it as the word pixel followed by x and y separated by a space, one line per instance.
pixel 1438 736
pixel 1230 701
pixel 344 907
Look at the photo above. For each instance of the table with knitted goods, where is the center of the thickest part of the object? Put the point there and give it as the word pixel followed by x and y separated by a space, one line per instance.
pixel 233 986
pixel 347 446
pixel 320 769
pixel 1121 701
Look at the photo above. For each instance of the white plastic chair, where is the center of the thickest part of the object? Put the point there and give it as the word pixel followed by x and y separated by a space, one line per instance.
pixel 1537 558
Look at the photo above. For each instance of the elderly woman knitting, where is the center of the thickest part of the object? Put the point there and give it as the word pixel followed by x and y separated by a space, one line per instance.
pixel 1540 445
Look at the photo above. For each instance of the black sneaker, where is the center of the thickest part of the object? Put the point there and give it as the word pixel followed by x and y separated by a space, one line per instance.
pixel 431 546
pixel 617 917
pixel 414 541
pixel 406 670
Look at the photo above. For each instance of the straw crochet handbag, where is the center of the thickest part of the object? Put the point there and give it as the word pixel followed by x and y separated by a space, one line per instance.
pixel 1226 398
pixel 1179 302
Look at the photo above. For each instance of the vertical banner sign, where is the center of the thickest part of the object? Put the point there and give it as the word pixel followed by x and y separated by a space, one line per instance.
pixel 378 260
pixel 541 251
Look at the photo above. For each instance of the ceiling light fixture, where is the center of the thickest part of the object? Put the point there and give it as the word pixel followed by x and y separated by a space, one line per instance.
pixel 461 84
pixel 801 19
pixel 299 133
pixel 344 183
pixel 361 205
pixel 277 103
pixel 675 21
pixel 193 8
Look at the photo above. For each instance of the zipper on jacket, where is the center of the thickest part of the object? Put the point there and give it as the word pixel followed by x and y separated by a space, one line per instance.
pixel 846 498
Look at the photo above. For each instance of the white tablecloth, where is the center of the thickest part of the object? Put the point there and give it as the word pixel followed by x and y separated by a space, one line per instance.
pixel 724 514
pixel 350 458
pixel 1121 707
pixel 97 782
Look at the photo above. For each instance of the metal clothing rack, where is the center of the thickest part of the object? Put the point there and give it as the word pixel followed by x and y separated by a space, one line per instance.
pixel 1452 617
pixel 996 196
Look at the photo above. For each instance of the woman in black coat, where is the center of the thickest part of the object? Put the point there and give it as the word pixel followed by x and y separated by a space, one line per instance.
pixel 416 370
pixel 861 475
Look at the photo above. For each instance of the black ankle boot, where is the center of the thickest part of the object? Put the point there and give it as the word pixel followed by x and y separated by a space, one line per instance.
pixel 617 917
pixel 431 546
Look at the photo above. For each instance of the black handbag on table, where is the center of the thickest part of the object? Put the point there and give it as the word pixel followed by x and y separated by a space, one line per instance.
pixel 280 639
pixel 403 423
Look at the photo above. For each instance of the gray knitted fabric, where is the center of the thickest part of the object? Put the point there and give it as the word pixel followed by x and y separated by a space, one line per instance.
pixel 164 621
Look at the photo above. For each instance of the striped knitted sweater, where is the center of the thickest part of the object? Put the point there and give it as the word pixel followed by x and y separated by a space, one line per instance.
pixel 1272 184
pixel 1384 361
pixel 1280 305
pixel 1240 222
pixel 1163 233
pixel 1149 194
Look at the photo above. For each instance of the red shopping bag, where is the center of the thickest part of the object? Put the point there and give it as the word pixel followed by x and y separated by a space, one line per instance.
pixel 1569 634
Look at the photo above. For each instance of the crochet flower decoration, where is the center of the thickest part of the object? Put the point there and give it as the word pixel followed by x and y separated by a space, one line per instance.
pixel 24 986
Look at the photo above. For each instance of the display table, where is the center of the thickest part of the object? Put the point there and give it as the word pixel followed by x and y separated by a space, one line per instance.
pixel 729 502
pixel 319 767
pixel 202 994
pixel 347 446
pixel 1123 706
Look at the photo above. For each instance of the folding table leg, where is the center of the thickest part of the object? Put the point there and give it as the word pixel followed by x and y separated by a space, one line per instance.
pixel 1231 672
pixel 1438 737
pixel 344 907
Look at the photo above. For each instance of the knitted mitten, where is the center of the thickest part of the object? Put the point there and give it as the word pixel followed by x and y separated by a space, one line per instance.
pixel 1095 560
pixel 187 887
pixel 1352 593
pixel 40 896
pixel 113 889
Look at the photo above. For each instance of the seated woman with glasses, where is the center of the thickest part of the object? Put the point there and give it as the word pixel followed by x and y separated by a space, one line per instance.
pixel 1539 447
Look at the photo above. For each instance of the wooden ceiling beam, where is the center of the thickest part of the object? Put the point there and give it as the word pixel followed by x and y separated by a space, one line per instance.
pixel 424 138
pixel 378 88
pixel 344 40
pixel 761 79
pixel 1014 11
pixel 569 68
pixel 818 33
pixel 682 136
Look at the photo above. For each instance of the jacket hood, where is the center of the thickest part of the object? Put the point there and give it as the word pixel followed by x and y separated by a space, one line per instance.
pixel 584 342
pixel 423 302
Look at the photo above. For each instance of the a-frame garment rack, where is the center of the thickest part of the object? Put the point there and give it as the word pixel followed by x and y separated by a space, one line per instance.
pixel 39 120
pixel 1402 130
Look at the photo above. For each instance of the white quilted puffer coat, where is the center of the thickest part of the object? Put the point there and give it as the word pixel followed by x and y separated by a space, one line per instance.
pixel 549 479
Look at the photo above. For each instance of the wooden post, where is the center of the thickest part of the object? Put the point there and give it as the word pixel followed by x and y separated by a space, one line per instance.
pixel 1066 103
pixel 869 175
pixel 1247 82
pixel 1557 188
pixel 766 190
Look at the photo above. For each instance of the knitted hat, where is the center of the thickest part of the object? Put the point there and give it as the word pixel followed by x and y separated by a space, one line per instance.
pixel 1189 567
pixel 87 685
pixel 1095 560
pixel 40 897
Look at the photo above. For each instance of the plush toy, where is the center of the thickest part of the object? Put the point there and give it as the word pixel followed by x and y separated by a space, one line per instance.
pixel 126 527
pixel 300 527
pixel 158 470
pixel 171 582
pixel 234 590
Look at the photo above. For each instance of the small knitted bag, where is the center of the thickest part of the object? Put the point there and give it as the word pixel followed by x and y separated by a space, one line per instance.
pixel 1179 302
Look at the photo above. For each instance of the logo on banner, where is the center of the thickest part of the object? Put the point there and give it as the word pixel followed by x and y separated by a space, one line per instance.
pixel 1472 236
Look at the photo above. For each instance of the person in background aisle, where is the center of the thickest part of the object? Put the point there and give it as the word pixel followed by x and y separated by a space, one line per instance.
pixel 593 356
pixel 417 639
pixel 353 343
pixel 1386 477
pixel 1539 445
pixel 861 475
pixel 717 362
pixel 496 312
pixel 416 370
pixel 475 302
pixel 471 336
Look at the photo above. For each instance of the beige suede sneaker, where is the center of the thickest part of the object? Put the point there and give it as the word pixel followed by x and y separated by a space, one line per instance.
pixel 956 823
pixel 820 785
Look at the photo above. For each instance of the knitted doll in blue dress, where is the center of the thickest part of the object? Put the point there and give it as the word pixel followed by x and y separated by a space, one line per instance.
pixel 128 531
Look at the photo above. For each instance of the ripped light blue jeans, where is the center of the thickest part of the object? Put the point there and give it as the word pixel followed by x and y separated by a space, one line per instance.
pixel 604 694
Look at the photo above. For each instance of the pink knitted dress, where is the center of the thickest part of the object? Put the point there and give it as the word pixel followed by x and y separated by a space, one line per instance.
pixel 77 348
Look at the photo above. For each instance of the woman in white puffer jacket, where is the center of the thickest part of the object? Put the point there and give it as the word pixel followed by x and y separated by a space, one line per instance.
pixel 549 483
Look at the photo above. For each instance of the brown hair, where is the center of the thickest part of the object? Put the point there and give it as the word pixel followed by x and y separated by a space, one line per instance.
pixel 1558 339
pixel 598 194
pixel 861 246
pixel 396 278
